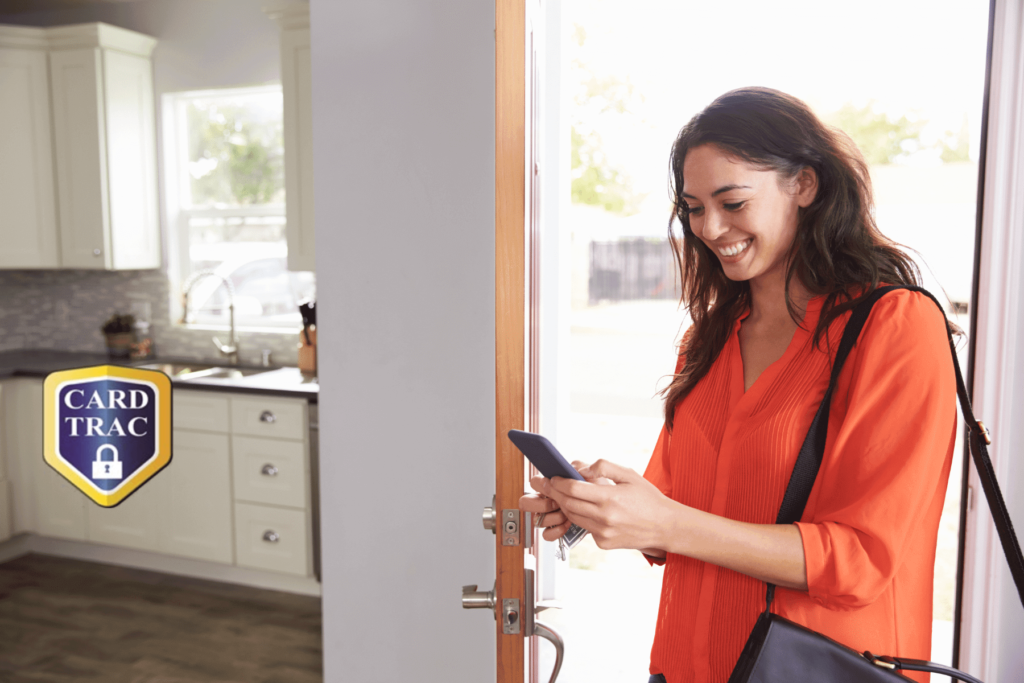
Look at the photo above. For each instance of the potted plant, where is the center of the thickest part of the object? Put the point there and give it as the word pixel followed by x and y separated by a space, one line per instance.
pixel 119 333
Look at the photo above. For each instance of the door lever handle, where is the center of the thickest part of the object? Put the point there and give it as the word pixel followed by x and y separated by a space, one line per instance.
pixel 536 628
pixel 476 599
pixel 552 636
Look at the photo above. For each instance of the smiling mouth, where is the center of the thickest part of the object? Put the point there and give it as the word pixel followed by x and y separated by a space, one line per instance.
pixel 735 249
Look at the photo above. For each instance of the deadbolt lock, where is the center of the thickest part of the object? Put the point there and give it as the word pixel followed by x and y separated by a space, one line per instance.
pixel 490 518
pixel 510 527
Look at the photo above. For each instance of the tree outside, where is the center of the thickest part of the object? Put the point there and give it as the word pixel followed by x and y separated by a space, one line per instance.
pixel 596 179
pixel 236 150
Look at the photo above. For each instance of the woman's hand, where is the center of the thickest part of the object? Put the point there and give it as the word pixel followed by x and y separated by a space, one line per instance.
pixel 621 509
pixel 616 505
pixel 546 513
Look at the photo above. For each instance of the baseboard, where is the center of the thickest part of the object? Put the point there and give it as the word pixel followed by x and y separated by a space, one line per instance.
pixel 168 564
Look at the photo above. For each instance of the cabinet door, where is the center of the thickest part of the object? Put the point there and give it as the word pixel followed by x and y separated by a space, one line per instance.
pixel 44 502
pixel 131 161
pixel 132 524
pixel 297 89
pixel 60 508
pixel 28 222
pixel 196 517
pixel 76 91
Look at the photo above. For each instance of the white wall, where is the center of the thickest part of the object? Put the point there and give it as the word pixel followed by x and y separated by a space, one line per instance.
pixel 403 118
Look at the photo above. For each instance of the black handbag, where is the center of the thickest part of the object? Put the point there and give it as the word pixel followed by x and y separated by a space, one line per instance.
pixel 781 651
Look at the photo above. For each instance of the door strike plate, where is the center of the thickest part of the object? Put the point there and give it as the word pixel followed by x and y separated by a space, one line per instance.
pixel 510 527
pixel 510 616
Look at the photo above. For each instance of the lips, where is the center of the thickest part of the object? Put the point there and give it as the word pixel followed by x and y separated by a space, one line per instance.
pixel 735 249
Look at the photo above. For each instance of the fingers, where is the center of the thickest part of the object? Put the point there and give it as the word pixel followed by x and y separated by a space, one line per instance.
pixel 550 519
pixel 609 470
pixel 537 504
pixel 559 489
pixel 555 532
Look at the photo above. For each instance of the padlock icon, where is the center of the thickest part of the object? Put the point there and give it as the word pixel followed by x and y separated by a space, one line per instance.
pixel 106 469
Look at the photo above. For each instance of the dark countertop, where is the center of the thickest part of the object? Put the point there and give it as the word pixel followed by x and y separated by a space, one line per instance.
pixel 272 381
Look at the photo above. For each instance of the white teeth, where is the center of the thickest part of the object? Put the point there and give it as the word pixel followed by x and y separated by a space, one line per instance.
pixel 735 249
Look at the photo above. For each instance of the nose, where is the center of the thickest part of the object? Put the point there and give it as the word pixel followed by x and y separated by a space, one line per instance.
pixel 714 225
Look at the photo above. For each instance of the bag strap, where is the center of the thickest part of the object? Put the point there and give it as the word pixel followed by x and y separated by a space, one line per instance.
pixel 813 449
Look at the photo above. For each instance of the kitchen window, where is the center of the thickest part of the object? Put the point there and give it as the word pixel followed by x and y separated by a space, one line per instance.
pixel 224 152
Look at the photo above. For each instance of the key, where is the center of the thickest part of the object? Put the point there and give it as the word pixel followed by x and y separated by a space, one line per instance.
pixel 562 553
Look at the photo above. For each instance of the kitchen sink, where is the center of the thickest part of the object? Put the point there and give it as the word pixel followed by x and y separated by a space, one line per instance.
pixel 178 369
pixel 191 371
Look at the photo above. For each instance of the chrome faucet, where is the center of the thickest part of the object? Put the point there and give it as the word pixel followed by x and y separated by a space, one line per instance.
pixel 231 348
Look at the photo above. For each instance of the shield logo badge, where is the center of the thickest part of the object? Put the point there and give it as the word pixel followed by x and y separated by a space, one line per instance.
pixel 107 429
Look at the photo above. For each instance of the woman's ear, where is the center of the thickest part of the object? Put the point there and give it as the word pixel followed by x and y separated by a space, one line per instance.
pixel 806 187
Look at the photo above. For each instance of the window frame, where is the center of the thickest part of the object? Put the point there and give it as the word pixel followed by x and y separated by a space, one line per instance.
pixel 178 209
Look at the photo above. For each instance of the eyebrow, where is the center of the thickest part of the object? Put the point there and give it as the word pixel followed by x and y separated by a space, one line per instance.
pixel 724 188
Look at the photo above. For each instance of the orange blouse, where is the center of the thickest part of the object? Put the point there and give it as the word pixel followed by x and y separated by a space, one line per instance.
pixel 869 529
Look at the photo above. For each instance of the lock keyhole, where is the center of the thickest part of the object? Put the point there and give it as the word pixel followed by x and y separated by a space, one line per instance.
pixel 106 468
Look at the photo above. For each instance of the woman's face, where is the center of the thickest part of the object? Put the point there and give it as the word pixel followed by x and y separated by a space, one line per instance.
pixel 746 216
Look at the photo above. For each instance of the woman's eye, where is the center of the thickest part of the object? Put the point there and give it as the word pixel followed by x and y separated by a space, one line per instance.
pixel 734 207
pixel 694 211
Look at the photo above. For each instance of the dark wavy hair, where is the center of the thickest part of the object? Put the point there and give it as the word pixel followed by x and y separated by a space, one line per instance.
pixel 838 250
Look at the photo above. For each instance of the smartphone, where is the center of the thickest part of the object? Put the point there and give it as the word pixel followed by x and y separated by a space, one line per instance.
pixel 546 458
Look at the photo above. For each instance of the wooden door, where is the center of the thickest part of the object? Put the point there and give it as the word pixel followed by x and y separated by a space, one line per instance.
pixel 510 306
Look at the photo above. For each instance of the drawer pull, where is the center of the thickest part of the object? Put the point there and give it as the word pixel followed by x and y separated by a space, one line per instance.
pixel 271 536
pixel 268 470
pixel 268 417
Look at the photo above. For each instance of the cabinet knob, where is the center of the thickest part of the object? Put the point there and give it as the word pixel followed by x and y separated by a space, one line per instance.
pixel 271 536
pixel 97 252
pixel 268 470
pixel 268 417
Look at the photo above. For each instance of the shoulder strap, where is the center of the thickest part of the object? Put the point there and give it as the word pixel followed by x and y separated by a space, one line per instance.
pixel 813 450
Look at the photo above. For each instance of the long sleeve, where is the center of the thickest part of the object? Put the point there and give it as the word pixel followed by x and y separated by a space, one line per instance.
pixel 891 428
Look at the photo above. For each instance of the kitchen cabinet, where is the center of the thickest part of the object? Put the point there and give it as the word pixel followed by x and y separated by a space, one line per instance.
pixel 101 82
pixel 133 523
pixel 196 518
pixel 43 501
pixel 28 223
pixel 297 89
pixel 237 490
pixel 101 211
pixel 270 461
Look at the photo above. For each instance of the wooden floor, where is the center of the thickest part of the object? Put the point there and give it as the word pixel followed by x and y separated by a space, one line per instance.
pixel 66 620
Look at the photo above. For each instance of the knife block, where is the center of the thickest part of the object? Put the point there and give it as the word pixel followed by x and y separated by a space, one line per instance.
pixel 307 352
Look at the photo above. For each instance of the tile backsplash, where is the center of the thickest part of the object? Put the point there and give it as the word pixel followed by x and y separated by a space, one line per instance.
pixel 64 309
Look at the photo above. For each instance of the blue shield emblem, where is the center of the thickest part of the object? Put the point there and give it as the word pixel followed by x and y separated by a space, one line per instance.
pixel 107 428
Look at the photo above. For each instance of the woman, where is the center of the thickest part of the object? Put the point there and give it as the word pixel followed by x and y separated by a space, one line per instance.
pixel 779 243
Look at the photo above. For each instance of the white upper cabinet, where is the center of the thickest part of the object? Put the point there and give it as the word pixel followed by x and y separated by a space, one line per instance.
pixel 102 92
pixel 297 89
pixel 28 220
pixel 85 197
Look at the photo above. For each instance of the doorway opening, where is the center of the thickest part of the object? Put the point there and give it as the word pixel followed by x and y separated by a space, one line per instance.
pixel 628 77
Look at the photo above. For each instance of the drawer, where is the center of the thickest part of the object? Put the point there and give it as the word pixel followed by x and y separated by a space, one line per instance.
pixel 202 410
pixel 271 538
pixel 281 418
pixel 269 471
